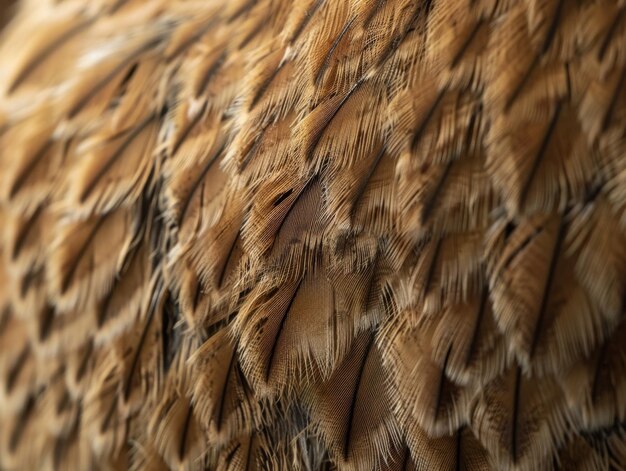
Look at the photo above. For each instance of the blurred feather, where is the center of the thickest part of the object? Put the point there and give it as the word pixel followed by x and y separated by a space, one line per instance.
pixel 263 234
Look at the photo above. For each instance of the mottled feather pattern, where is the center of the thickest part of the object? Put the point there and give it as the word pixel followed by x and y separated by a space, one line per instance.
pixel 313 235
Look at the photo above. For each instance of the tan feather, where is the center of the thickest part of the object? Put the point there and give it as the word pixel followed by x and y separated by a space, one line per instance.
pixel 521 422
pixel 220 393
pixel 263 234
pixel 350 411
pixel 88 256
pixel 422 394
pixel 115 169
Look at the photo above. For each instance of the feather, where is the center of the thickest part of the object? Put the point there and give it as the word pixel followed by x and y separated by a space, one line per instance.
pixel 554 305
pixel 139 374
pixel 293 226
pixel 243 454
pixel 116 169
pixel 458 451
pixel 594 388
pixel 118 309
pixel 447 271
pixel 581 454
pixel 599 247
pixel 465 337
pixel 276 356
pixel 195 192
pixel 362 196
pixel 347 409
pixel 543 156
pixel 224 243
pixel 220 392
pixel 30 173
pixel 176 433
pixel 520 421
pixel 262 234
pixel 87 257
pixel 24 241
pixel 60 29
pixel 18 368
pixel 422 395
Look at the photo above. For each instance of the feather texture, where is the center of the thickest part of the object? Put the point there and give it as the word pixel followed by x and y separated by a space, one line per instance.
pixel 272 234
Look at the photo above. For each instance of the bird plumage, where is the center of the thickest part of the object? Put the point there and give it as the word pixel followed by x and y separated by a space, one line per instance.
pixel 318 234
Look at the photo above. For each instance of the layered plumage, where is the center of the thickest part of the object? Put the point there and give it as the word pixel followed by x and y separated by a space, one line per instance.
pixel 318 234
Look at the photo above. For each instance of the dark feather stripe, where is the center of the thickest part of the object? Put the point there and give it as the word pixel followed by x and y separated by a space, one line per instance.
pixel 222 401
pixel 222 272
pixel 231 455
pixel 33 276
pixel 357 385
pixel 556 253
pixel 282 197
pixel 363 184
pixel 196 296
pixel 374 12
pixel 332 49
pixel 82 368
pixel 243 9
pixel 41 56
pixel 256 30
pixel 597 374
pixel 101 314
pixel 432 268
pixel 610 33
pixel 106 78
pixel 192 40
pixel 541 153
pixel 45 322
pixel 525 243
pixel 171 336
pixel 484 299
pixel 465 46
pixel 292 205
pixel 154 301
pixel 399 39
pixel 280 331
pixel 372 279
pixel 197 183
pixel 406 459
pixel 442 382
pixel 265 85
pixel 134 134
pixel 320 133
pixel 20 426
pixel 613 103
pixel 16 368
pixel 433 196
pixel 23 175
pixel 553 27
pixel 249 454
pixel 185 436
pixel 252 150
pixel 69 274
pixel 535 62
pixel 568 81
pixel 305 21
pixel 108 417
pixel 25 231
pixel 429 114
pixel 210 73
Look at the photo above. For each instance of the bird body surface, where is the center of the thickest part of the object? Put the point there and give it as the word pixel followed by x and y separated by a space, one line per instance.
pixel 317 234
